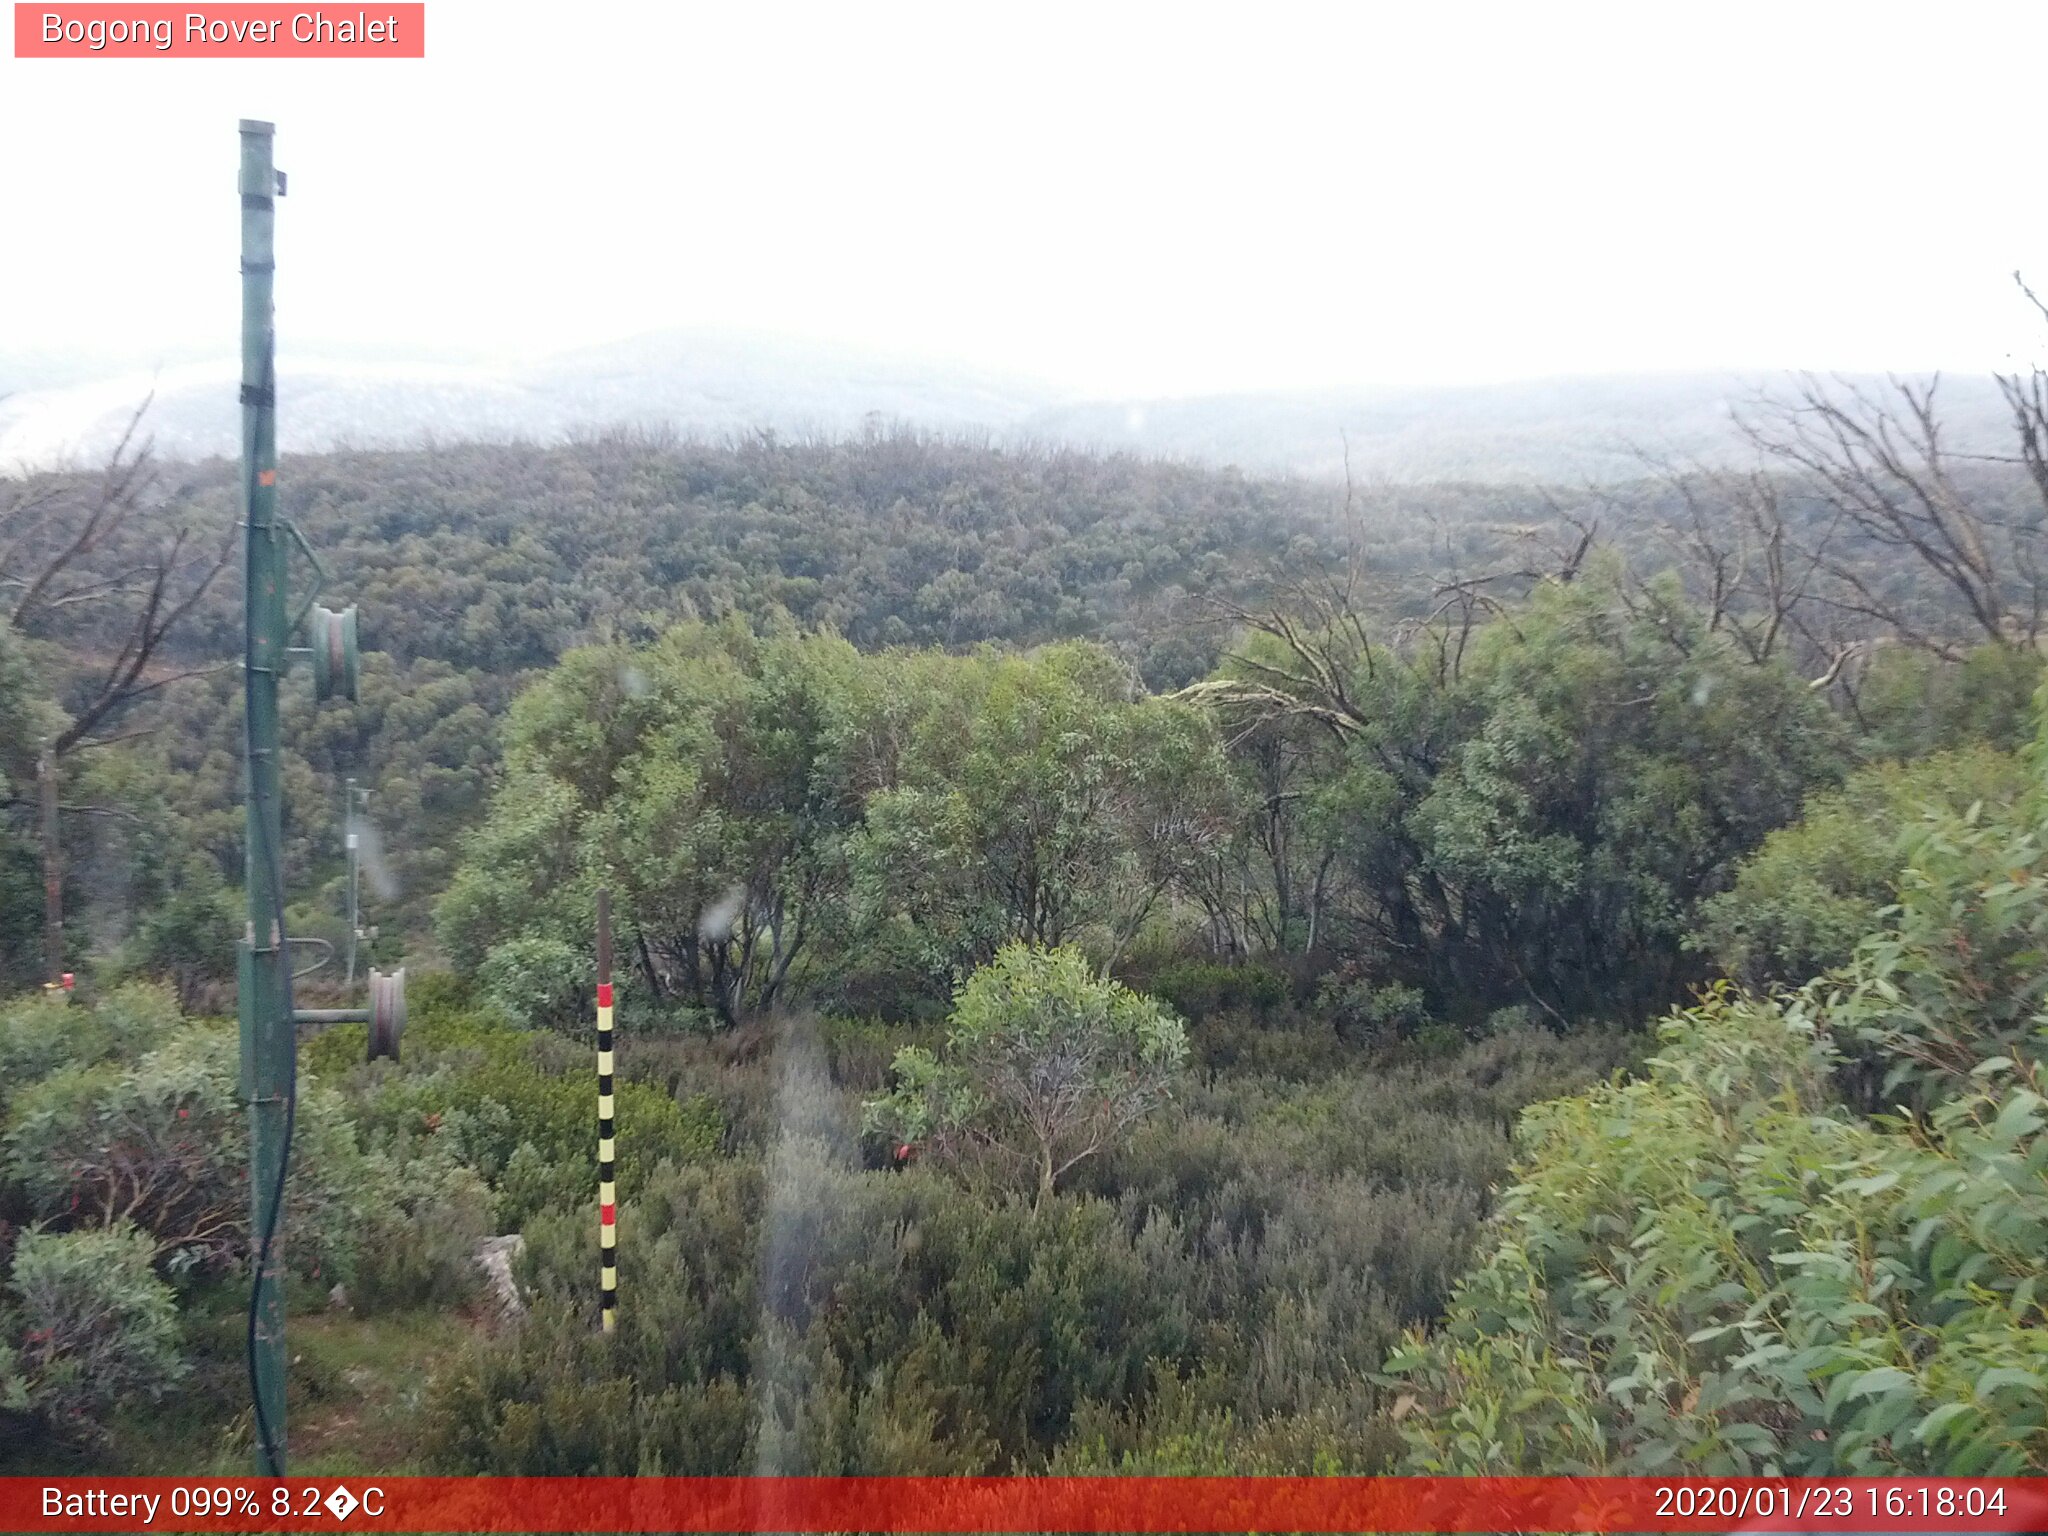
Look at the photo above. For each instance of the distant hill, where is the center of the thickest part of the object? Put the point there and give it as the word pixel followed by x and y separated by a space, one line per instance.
pixel 707 383
pixel 1551 430
pixel 712 384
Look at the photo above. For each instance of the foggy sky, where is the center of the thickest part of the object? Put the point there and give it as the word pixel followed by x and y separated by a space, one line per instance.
pixel 1115 199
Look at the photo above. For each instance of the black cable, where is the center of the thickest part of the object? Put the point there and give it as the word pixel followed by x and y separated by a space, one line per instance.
pixel 273 859
pixel 284 1161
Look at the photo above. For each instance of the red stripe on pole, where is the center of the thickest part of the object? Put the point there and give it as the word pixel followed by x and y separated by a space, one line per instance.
pixel 607 1214
pixel 604 994
pixel 1052 1504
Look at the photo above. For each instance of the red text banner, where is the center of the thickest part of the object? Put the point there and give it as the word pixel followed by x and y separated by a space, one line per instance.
pixel 375 31
pixel 1020 1504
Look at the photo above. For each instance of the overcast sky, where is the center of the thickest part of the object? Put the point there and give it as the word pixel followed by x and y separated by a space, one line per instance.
pixel 1114 198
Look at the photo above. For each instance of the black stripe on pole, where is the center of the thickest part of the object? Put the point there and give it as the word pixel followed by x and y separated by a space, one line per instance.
pixel 607 1216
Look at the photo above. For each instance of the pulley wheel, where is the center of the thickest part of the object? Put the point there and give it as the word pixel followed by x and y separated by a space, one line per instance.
pixel 333 642
pixel 387 1013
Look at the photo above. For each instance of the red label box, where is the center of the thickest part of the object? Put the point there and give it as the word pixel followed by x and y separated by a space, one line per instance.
pixel 372 31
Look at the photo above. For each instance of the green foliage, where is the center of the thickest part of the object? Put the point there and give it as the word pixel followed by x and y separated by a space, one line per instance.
pixel 1722 1268
pixel 92 1327
pixel 21 890
pixel 1054 803
pixel 190 938
pixel 161 1140
pixel 538 982
pixel 419 1248
pixel 1808 895
pixel 1195 989
pixel 1914 705
pixel 36 1038
pixel 1620 765
pixel 22 713
pixel 1527 813
pixel 697 779
pixel 1361 1009
pixel 774 810
pixel 1212 1292
pixel 21 913
pixel 517 1107
pixel 513 1109
pixel 1044 1065
pixel 482 566
pixel 1957 978
pixel 1468 828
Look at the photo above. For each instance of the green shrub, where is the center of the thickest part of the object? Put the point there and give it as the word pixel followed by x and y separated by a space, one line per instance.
pixel 519 1106
pixel 38 1037
pixel 1383 1013
pixel 95 1328
pixel 419 1249
pixel 13 1389
pixel 540 983
pixel 1296 1046
pixel 163 1141
pixel 1716 1270
pixel 1956 980
pixel 1214 1292
pixel 1723 1268
pixel 554 1119
pixel 1044 1065
pixel 873 1321
pixel 861 1051
pixel 191 937
pixel 1176 1431
pixel 888 975
pixel 1195 989
pixel 1913 704
pixel 1802 902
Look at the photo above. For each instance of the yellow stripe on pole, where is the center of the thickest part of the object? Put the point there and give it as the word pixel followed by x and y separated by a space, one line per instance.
pixel 607 1194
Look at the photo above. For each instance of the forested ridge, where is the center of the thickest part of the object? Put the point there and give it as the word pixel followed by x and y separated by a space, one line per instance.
pixel 1122 967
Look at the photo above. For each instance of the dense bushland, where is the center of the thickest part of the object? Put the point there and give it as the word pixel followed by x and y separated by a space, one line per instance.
pixel 1079 987
pixel 1219 1286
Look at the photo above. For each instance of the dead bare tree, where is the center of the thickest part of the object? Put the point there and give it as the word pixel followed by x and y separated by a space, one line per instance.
pixel 1880 475
pixel 78 561
pixel 2027 397
pixel 1758 579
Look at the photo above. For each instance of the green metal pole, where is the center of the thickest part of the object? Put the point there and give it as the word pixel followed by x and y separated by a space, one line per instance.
pixel 267 1035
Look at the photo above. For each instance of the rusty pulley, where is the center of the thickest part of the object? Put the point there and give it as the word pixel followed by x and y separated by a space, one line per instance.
pixel 387 1012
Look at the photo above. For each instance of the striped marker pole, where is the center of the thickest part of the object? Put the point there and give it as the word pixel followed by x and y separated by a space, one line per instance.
pixel 607 1191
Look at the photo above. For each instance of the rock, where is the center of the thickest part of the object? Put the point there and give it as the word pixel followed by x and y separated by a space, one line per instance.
pixel 494 1256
